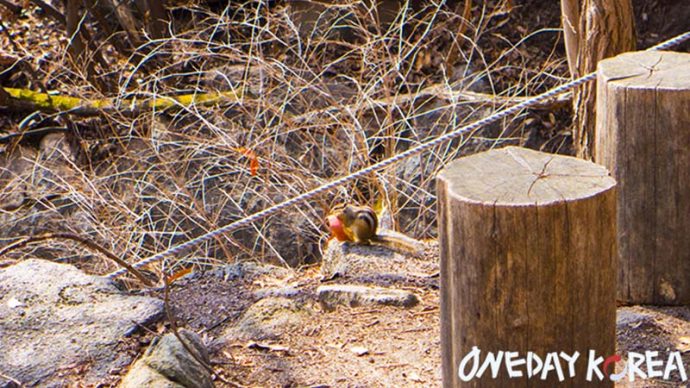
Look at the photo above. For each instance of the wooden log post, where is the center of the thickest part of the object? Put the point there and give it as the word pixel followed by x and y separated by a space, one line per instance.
pixel 643 138
pixel 528 256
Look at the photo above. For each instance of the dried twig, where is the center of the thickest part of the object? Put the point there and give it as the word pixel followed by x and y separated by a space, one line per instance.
pixel 10 378
pixel 173 326
pixel 51 11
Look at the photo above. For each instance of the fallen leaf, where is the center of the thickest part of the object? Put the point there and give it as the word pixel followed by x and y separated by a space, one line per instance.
pixel 253 159
pixel 179 274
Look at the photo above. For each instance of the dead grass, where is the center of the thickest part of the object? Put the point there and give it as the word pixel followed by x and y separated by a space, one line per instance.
pixel 326 91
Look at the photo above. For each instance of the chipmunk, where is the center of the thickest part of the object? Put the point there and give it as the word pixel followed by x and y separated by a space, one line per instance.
pixel 359 224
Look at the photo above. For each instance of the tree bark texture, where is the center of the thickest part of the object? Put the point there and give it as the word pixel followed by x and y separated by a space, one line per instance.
pixel 643 137
pixel 593 30
pixel 528 261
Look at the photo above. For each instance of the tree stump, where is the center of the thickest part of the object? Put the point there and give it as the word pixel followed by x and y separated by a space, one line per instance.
pixel 528 256
pixel 643 138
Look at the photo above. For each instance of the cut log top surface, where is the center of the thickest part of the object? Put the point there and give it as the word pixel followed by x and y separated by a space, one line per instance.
pixel 648 69
pixel 515 176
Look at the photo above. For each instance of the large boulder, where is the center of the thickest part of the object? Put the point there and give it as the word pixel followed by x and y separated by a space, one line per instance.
pixel 168 364
pixel 60 326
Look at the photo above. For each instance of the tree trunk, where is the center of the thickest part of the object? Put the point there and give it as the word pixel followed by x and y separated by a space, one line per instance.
pixel 643 139
pixel 528 263
pixel 77 48
pixel 594 30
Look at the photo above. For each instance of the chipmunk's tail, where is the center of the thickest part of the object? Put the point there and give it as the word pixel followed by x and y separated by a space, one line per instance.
pixel 399 243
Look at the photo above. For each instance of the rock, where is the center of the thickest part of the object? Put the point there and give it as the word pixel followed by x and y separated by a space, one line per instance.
pixel 167 363
pixel 270 318
pixel 368 261
pixel 316 18
pixel 416 181
pixel 38 189
pixel 60 325
pixel 282 238
pixel 628 317
pixel 284 292
pixel 351 295
pixel 142 375
pixel 14 176
pixel 639 328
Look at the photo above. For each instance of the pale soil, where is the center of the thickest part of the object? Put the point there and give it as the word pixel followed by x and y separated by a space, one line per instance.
pixel 402 346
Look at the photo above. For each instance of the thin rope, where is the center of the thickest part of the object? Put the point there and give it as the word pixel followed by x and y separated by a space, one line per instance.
pixel 671 42
pixel 382 164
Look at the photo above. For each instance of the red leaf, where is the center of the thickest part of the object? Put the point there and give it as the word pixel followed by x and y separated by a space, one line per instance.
pixel 253 159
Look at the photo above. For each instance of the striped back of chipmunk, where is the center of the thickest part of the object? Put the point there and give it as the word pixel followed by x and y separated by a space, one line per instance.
pixel 368 215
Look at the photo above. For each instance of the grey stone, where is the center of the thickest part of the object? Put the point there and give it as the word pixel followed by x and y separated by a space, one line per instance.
pixel 54 317
pixel 269 318
pixel 142 375
pixel 626 317
pixel 285 292
pixel 331 296
pixel 353 260
pixel 167 363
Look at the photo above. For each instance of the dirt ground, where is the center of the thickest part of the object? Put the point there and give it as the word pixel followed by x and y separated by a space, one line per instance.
pixel 382 346
pixel 363 347
pixel 400 346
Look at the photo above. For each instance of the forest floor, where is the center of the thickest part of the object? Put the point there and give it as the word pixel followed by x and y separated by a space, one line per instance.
pixel 366 346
